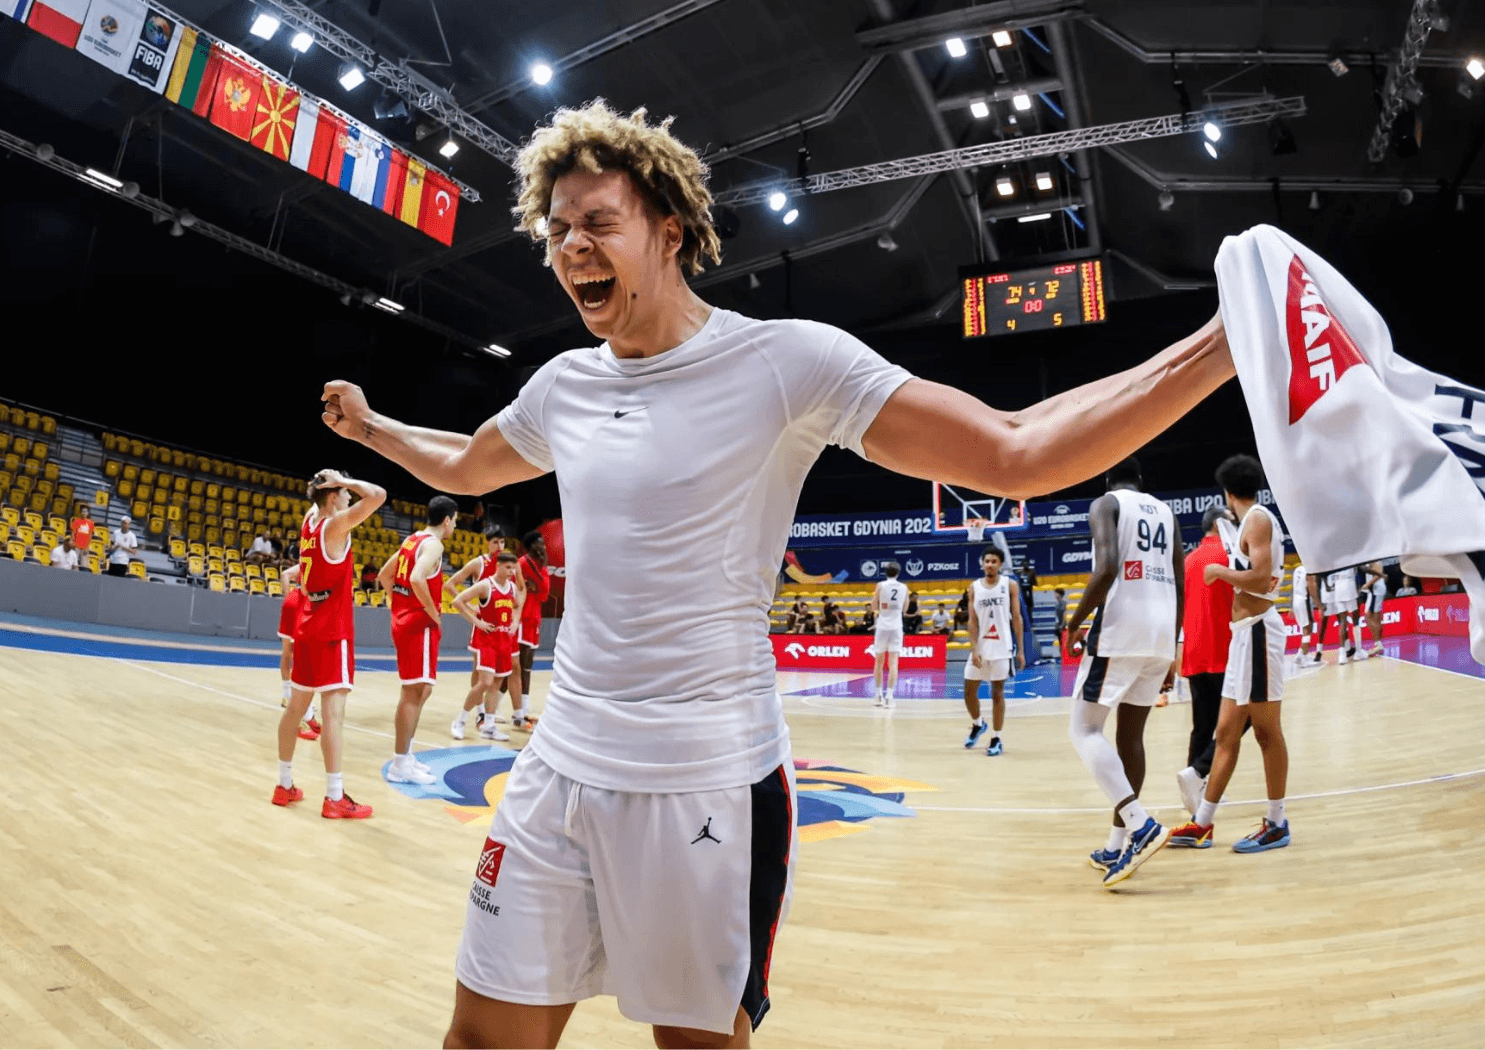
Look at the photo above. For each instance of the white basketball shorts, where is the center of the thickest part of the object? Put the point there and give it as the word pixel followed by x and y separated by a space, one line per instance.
pixel 1114 680
pixel 1255 660
pixel 888 640
pixel 669 902
pixel 1335 608
pixel 1374 600
pixel 1301 610
pixel 991 669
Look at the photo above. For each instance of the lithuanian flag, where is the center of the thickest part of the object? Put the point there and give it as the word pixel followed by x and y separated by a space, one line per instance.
pixel 194 75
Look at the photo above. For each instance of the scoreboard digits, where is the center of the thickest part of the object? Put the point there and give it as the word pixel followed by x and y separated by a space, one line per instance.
pixel 1032 299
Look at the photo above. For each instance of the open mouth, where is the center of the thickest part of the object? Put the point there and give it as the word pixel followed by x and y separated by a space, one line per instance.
pixel 593 292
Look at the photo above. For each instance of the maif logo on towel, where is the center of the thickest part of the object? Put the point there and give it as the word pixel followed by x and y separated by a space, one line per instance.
pixel 1320 350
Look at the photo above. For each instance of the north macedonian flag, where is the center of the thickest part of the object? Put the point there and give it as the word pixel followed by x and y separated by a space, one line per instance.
pixel 234 103
pixel 275 118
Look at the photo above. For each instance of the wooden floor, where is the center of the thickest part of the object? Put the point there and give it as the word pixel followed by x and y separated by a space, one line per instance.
pixel 152 896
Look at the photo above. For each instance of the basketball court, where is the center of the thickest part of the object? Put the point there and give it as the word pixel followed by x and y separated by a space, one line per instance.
pixel 155 898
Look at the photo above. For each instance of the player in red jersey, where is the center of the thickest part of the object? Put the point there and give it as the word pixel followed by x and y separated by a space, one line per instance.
pixel 538 584
pixel 324 658
pixel 288 626
pixel 482 568
pixel 493 642
pixel 413 580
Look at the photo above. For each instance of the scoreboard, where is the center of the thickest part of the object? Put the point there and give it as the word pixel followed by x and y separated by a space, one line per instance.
pixel 1033 299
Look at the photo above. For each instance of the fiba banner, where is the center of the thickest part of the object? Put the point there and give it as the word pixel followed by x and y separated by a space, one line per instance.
pixel 850 652
pixel 132 39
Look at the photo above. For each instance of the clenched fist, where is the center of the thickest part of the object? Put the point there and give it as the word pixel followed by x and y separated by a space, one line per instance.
pixel 346 411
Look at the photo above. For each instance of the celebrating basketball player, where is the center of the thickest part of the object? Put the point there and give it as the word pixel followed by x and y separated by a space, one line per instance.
pixel 994 613
pixel 887 603
pixel 324 646
pixel 1137 588
pixel 1373 594
pixel 1253 686
pixel 413 580
pixel 493 642
pixel 589 881
pixel 288 625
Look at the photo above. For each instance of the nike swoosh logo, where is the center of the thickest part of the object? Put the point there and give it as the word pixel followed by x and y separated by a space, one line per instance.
pixel 620 415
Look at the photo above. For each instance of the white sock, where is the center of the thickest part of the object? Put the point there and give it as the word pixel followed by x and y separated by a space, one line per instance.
pixel 889 694
pixel 334 787
pixel 1276 811
pixel 288 691
pixel 460 717
pixel 1204 813
pixel 1116 840
pixel 286 775
pixel 1133 814
pixel 309 712
pixel 981 721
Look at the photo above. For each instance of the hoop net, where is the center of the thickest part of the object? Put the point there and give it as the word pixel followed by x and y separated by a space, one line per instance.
pixel 975 529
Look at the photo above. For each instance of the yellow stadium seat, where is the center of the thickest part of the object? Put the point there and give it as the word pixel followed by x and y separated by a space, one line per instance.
pixel 173 513
pixel 198 487
pixel 21 446
pixel 195 565
pixel 180 483
pixel 213 535
pixel 48 539
pixel 236 585
pixel 4 412
pixel 100 497
pixel 147 476
pixel 136 448
pixel 136 568
pixel 48 425
pixel 157 525
pixel 213 490
pixel 16 549
pixel 39 449
pixel 4 441
pixel 57 524
pixel 131 472
pixel 256 587
pixel 215 552
pixel 125 488
pixel 196 550
pixel 217 582
pixel 214 565
pixel 140 509
pixel 178 459
pixel 4 533
pixel 253 572
pixel 51 471
pixel 59 505
pixel 97 546
pixel 275 589
pixel 360 597
pixel 177 547
pixel 377 598
pixel 234 570
pixel 46 485
pixel 192 461
pixel 12 463
pixel 33 420
pixel 258 498
pixel 229 494
pixel 229 538
pixel 32 467
pixel 10 516
pixel 110 441
pixel 26 534
pixel 42 554
pixel 149 451
pixel 270 573
pixel 34 520
pixel 233 554
pixel 5 480
pixel 193 532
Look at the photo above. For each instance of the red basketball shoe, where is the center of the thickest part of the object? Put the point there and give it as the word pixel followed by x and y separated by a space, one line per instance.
pixel 345 809
pixel 309 730
pixel 282 796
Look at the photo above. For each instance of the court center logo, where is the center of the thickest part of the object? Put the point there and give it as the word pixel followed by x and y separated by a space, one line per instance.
pixel 833 801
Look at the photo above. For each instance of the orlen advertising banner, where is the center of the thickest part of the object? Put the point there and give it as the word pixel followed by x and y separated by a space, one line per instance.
pixel 1439 614
pixel 848 652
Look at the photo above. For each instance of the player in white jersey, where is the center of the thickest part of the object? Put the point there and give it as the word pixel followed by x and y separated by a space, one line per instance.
pixel 1137 588
pixel 1253 687
pixel 1373 594
pixel 1341 604
pixel 887 603
pixel 994 620
pixel 1304 603
pixel 645 840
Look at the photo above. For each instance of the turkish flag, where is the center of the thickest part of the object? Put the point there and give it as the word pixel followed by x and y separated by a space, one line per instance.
pixel 440 207
pixel 234 101
pixel 274 118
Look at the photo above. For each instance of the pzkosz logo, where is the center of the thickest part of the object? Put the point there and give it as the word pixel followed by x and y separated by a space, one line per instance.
pixel 868 569
pixel 1134 570
pixel 794 649
pixel 1320 350
pixel 914 567
pixel 944 566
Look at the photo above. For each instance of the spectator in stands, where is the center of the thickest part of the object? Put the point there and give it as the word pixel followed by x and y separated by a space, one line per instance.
pixel 961 612
pixel 1060 611
pixel 64 556
pixel 834 619
pixel 368 577
pixel 868 624
pixel 940 619
pixel 121 547
pixel 82 530
pixel 261 551
pixel 479 515
pixel 797 615
pixel 1408 589
pixel 912 619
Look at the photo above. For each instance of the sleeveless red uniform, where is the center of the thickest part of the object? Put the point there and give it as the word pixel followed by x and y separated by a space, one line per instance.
pixel 289 613
pixel 538 586
pixel 413 634
pixel 495 650
pixel 324 653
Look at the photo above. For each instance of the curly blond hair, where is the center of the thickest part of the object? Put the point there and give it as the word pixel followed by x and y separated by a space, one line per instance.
pixel 596 138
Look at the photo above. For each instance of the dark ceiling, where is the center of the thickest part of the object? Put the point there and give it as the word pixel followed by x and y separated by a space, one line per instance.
pixel 748 82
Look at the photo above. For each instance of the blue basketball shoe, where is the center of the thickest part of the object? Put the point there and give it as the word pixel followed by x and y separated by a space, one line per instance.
pixel 1143 844
pixel 1268 836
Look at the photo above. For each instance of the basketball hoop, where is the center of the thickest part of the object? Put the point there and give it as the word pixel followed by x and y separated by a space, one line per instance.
pixel 975 528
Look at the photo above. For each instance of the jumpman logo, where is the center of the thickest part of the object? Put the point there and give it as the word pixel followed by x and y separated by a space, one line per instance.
pixel 706 833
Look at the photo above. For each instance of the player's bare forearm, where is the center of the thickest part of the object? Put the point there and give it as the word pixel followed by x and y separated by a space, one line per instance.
pixel 1093 596
pixel 1254 579
pixel 1059 442
pixel 385 576
pixel 461 606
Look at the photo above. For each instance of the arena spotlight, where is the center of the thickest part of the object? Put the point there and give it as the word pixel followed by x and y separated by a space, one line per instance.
pixel 1211 131
pixel 886 242
pixel 1211 149
pixel 389 305
pixel 1001 38
pixel 449 148
pixel 978 109
pixel 1044 181
pixel 351 76
pixel 777 200
pixel 1405 196
pixel 176 230
pixel 264 25
pixel 1314 200
pixel 790 216
pixel 497 350
pixel 302 41
pixel 541 74
pixel 1166 200
pixel 98 178
pixel 1040 216
pixel 956 47
pixel 1475 68
pixel 753 283
pixel 1005 187
pixel 1022 102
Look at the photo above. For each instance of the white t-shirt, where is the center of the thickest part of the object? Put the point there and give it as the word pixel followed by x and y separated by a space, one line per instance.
pixel 679 475
pixel 940 619
pixel 891 598
pixel 261 545
pixel 62 558
pixel 127 543
pixel 991 603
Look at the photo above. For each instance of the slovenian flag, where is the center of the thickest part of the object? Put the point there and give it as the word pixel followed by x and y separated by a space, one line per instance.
pixel 371 165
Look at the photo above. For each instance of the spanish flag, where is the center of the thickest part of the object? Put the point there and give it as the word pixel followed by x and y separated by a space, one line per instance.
pixel 412 192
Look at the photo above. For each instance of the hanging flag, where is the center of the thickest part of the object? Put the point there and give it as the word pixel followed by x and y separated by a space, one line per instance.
pixel 369 166
pixel 389 183
pixel 275 119
pixel 328 134
pixel 304 135
pixel 109 32
pixel 234 101
pixel 440 207
pixel 412 191
pixel 14 9
pixel 345 154
pixel 59 19
pixel 194 72
pixel 155 49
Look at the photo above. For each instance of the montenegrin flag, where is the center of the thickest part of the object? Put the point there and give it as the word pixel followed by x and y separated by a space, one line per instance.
pixel 234 102
pixel 276 117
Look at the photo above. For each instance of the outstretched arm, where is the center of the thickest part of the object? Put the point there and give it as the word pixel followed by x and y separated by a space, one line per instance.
pixel 1059 442
pixel 444 461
